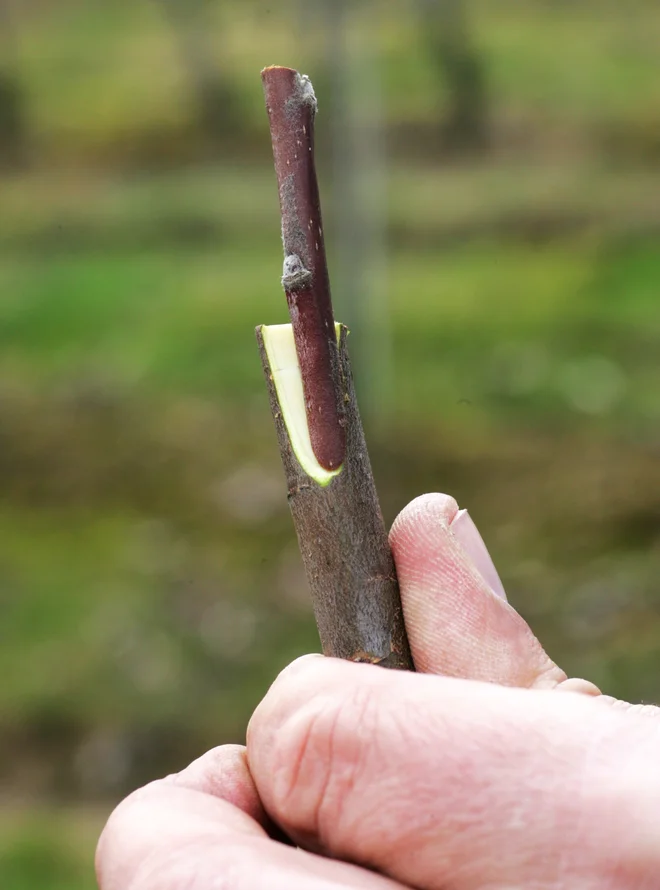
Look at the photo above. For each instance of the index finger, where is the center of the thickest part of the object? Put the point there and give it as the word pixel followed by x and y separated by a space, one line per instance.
pixel 181 833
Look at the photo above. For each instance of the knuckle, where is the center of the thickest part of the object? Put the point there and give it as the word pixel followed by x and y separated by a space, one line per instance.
pixel 105 857
pixel 113 851
pixel 319 756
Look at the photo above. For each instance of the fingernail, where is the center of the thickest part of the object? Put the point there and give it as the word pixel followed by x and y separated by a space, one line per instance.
pixel 471 541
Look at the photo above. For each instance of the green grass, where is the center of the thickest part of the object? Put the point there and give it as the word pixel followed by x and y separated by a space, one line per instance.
pixel 182 321
pixel 48 848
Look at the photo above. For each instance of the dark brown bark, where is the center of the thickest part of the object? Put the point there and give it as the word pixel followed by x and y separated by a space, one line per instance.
pixel 343 540
pixel 291 106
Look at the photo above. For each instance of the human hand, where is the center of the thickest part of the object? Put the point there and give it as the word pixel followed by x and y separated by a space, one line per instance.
pixel 485 777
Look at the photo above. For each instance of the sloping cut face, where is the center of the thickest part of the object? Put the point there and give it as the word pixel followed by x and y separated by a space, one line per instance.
pixel 281 351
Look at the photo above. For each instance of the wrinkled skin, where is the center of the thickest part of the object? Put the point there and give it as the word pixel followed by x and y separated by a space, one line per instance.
pixel 488 770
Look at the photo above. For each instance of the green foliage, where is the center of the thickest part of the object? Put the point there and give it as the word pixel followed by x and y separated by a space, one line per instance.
pixel 48 848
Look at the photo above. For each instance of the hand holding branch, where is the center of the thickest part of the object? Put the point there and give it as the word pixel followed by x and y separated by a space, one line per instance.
pixel 486 770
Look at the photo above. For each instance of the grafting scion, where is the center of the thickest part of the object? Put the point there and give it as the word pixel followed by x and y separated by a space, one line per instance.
pixel 291 106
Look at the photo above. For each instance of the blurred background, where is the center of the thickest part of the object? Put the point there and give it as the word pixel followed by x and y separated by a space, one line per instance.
pixel 490 177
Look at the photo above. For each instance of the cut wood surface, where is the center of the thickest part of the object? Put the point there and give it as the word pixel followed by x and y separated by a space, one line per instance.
pixel 343 540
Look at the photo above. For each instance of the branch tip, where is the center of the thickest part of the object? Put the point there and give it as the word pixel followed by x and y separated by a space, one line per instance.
pixel 303 91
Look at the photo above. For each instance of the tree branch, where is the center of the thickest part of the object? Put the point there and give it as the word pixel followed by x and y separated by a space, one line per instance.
pixel 332 495
pixel 340 528
pixel 291 106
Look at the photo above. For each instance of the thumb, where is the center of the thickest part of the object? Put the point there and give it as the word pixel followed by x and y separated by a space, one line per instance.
pixel 458 619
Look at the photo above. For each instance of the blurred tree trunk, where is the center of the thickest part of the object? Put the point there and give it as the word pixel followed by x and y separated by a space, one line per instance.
pixel 13 117
pixel 446 33
pixel 217 105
